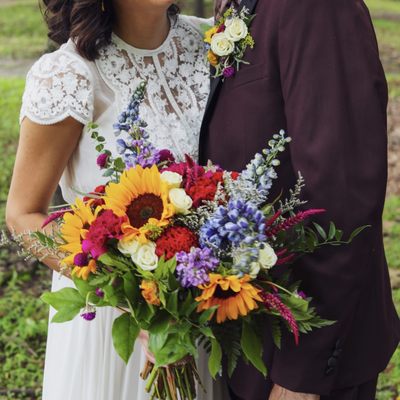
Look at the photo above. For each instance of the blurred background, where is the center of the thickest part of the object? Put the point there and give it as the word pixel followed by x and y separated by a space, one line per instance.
pixel 23 317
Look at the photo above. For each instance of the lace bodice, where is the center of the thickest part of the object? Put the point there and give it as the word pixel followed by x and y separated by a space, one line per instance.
pixel 63 84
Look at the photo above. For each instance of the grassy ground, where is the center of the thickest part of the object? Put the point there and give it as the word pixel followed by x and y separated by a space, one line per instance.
pixel 23 318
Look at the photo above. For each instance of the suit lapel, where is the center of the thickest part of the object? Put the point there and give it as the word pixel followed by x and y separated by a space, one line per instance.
pixel 215 82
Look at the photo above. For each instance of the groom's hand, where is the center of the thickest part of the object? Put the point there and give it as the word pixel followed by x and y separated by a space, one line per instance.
pixel 280 393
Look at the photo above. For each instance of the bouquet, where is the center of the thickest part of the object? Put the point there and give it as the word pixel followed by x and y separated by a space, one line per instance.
pixel 187 253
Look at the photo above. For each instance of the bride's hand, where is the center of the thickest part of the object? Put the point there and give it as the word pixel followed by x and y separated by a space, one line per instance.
pixel 144 340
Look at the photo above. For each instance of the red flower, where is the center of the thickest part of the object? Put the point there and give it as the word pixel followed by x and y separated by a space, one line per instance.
pixel 205 188
pixel 98 191
pixel 106 226
pixel 175 239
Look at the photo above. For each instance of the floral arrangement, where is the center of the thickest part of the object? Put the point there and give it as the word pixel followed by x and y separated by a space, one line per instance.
pixel 187 253
pixel 228 41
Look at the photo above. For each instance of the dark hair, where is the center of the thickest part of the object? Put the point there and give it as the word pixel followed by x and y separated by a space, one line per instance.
pixel 88 22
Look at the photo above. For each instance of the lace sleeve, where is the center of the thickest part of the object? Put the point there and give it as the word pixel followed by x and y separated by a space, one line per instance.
pixel 58 86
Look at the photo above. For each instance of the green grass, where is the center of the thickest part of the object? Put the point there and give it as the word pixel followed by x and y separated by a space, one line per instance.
pixel 383 6
pixel 392 231
pixel 10 103
pixel 22 30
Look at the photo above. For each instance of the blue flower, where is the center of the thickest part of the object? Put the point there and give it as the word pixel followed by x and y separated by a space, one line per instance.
pixel 237 223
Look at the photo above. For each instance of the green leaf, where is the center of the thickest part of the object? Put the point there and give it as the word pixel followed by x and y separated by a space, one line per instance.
pixel 206 315
pixel 113 260
pixel 99 280
pixel 276 332
pixel 66 314
pixel 188 305
pixel 207 332
pixel 252 347
pixel 357 231
pixel 131 287
pixel 160 322
pixel 100 148
pixel 125 332
pixel 84 287
pixel 172 302
pixel 109 172
pixel 64 298
pixel 119 164
pixel 332 231
pixel 215 360
pixel 338 235
pixel 320 230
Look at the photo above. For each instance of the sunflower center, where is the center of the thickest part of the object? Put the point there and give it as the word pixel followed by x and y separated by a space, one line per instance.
pixel 143 208
pixel 224 294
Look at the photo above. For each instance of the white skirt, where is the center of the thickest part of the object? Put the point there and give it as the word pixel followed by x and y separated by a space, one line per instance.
pixel 81 363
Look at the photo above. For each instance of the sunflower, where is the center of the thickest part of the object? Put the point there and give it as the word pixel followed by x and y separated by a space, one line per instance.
pixel 234 296
pixel 74 230
pixel 150 292
pixel 142 197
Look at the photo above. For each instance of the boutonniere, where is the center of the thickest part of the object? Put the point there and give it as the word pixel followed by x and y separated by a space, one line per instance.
pixel 228 41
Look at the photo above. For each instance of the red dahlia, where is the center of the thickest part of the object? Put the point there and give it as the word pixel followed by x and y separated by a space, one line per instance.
pixel 175 239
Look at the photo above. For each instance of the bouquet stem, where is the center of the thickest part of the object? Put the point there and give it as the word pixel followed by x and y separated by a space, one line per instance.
pixel 172 382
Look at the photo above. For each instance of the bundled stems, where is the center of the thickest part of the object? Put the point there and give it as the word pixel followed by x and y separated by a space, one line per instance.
pixel 172 382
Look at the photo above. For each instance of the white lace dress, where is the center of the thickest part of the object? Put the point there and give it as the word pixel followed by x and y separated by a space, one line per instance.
pixel 81 363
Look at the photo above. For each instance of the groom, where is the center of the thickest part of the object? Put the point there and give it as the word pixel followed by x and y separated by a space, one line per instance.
pixel 315 72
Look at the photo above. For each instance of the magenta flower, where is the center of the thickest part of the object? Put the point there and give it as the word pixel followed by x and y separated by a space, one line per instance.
pixel 55 215
pixel 229 72
pixel 81 260
pixel 102 160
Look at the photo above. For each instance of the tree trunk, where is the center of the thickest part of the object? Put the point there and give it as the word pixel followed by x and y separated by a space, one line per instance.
pixel 199 8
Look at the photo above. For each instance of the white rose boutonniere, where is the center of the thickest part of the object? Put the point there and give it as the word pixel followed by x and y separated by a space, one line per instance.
pixel 221 45
pixel 180 200
pixel 228 41
pixel 236 30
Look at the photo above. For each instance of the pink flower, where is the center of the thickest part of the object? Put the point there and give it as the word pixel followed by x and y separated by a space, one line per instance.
pixel 229 72
pixel 106 226
pixel 55 215
pixel 102 160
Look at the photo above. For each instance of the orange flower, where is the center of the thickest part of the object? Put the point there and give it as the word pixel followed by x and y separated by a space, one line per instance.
pixel 212 58
pixel 150 292
pixel 234 296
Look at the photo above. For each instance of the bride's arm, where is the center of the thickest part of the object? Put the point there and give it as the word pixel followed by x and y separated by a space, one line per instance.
pixel 43 153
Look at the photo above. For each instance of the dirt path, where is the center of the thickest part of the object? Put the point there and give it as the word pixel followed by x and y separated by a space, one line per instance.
pixel 15 68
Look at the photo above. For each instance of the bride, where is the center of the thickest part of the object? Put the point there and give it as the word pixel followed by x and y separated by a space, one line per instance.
pixel 108 48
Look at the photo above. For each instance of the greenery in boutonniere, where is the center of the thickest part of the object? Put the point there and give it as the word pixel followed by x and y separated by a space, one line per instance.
pixel 228 41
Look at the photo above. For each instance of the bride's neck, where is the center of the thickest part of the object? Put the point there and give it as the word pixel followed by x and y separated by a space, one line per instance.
pixel 143 28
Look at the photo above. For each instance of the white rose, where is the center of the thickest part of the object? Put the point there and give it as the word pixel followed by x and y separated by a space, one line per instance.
pixel 180 200
pixel 254 269
pixel 221 45
pixel 236 30
pixel 128 248
pixel 146 257
pixel 267 257
pixel 173 179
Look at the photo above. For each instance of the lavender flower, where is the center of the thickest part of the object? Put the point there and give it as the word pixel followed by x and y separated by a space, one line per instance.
pixel 237 223
pixel 193 267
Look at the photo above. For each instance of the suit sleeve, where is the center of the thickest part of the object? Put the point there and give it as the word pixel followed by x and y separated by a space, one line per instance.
pixel 335 96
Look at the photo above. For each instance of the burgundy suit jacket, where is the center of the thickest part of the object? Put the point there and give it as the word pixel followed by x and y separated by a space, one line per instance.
pixel 315 72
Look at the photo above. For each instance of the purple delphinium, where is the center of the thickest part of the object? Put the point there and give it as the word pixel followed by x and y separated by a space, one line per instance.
pixel 237 223
pixel 229 72
pixel 89 313
pixel 193 267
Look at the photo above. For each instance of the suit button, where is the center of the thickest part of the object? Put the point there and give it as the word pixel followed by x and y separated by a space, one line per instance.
pixel 328 371
pixel 337 352
pixel 332 362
